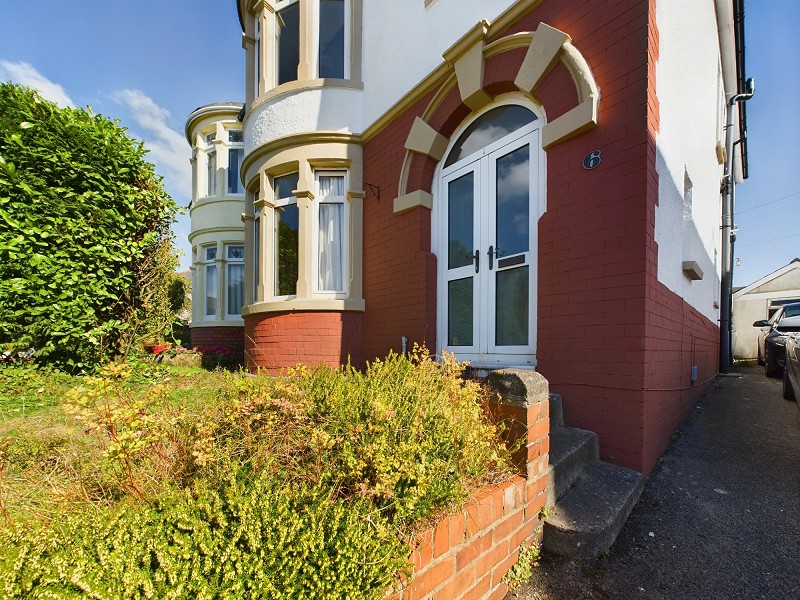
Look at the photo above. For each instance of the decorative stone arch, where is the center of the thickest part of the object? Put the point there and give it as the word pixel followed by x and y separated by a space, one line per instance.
pixel 465 60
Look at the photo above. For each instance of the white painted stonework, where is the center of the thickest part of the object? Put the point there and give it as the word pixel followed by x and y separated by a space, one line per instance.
pixel 690 89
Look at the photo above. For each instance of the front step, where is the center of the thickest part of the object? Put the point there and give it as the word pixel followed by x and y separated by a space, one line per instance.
pixel 589 500
pixel 571 451
pixel 587 520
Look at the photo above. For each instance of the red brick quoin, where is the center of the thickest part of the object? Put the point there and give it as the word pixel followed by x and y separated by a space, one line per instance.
pixel 466 554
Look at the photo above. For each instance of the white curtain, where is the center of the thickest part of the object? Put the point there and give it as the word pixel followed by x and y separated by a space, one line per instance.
pixel 331 185
pixel 330 246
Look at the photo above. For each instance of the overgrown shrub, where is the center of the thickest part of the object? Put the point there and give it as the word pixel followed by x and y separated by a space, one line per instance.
pixel 303 486
pixel 254 538
pixel 85 246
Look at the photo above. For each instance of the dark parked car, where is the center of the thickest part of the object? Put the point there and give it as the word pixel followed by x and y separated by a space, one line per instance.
pixel 791 370
pixel 771 349
pixel 775 345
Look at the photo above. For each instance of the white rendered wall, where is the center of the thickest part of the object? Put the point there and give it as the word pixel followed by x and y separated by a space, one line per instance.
pixel 402 43
pixel 690 93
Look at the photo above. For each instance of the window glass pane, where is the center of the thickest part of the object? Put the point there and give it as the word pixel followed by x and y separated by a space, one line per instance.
pixel 459 312
pixel 235 291
pixel 211 175
pixel 235 252
pixel 210 137
pixel 488 128
pixel 234 135
pixel 286 244
pixel 331 185
pixel 288 43
pixel 330 247
pixel 234 164
pixel 460 198
pixel 256 256
pixel 285 186
pixel 331 38
pixel 511 307
pixel 211 290
pixel 258 58
pixel 211 253
pixel 513 192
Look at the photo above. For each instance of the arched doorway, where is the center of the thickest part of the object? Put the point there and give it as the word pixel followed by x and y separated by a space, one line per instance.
pixel 491 195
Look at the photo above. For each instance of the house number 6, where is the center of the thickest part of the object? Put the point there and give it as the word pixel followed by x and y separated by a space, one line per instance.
pixel 592 160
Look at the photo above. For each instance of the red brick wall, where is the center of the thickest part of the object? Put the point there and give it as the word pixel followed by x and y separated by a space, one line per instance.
pixel 612 339
pixel 275 341
pixel 205 338
pixel 465 555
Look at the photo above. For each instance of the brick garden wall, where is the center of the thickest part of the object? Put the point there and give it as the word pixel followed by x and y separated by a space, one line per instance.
pixel 205 338
pixel 465 555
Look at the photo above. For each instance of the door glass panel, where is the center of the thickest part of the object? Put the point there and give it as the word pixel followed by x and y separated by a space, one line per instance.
pixel 460 199
pixel 511 307
pixel 513 202
pixel 459 312
pixel 490 127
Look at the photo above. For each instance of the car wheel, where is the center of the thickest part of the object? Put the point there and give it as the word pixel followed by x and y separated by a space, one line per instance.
pixel 758 352
pixel 788 390
pixel 770 368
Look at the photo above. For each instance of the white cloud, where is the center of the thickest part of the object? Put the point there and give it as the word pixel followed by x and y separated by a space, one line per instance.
pixel 24 73
pixel 168 148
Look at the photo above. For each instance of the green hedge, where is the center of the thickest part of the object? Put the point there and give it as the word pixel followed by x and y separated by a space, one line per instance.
pixel 85 243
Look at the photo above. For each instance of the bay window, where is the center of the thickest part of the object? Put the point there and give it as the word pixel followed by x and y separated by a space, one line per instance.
pixel 304 40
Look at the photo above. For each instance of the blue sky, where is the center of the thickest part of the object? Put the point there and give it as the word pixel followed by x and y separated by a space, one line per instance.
pixel 149 63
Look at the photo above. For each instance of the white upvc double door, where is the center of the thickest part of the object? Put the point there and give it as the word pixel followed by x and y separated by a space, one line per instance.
pixel 488 253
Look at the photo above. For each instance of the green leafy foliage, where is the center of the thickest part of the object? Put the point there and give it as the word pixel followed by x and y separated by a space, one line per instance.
pixel 85 246
pixel 522 570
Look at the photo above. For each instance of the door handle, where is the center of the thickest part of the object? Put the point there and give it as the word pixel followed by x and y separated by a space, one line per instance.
pixel 491 257
pixel 477 258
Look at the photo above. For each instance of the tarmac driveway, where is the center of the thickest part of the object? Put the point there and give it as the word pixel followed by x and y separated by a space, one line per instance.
pixel 720 513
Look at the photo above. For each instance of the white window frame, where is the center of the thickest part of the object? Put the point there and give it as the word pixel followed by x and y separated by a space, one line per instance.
pixel 345 242
pixel 228 263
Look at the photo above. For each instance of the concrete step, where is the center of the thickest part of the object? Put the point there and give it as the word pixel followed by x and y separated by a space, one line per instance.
pixel 556 411
pixel 572 450
pixel 587 520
